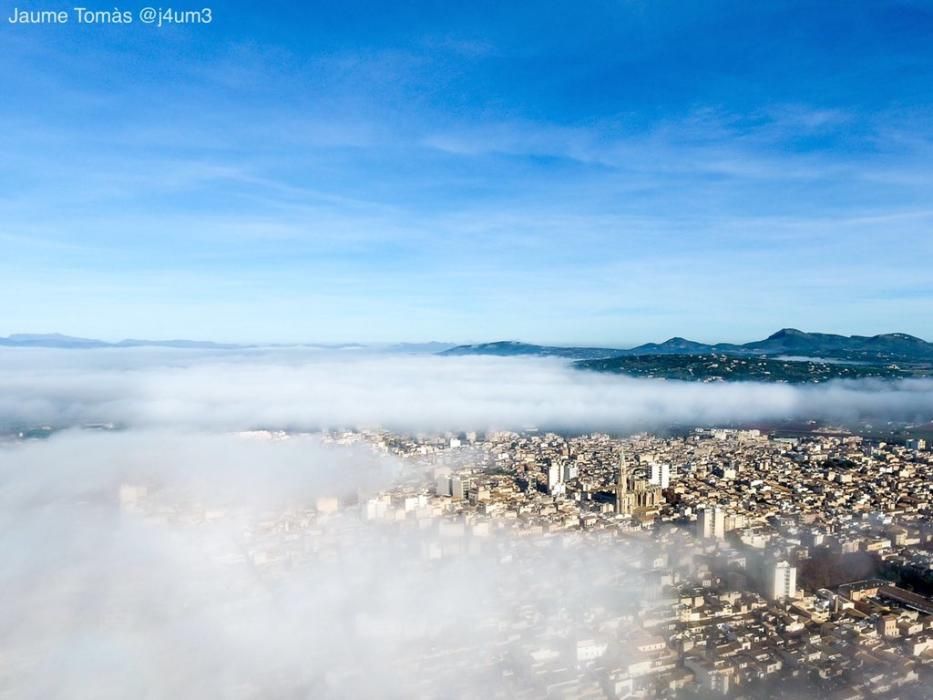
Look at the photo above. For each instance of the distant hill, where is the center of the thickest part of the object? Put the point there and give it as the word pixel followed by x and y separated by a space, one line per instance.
pixel 510 348
pixel 68 342
pixel 890 347
pixel 50 340
pixel 185 344
pixel 877 349
pixel 759 368
pixel 674 345
pixel 57 340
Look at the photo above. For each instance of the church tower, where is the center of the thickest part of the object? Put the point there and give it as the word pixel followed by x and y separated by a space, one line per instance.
pixel 623 497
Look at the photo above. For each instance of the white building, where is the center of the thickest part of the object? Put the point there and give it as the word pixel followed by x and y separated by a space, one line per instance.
pixel 375 509
pixel 711 523
pixel 590 650
pixel 659 474
pixel 442 485
pixel 571 471
pixel 327 504
pixel 783 581
pixel 555 480
pixel 458 488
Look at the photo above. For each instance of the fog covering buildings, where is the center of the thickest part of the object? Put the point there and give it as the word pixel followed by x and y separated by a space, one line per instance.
pixel 187 523
pixel 507 564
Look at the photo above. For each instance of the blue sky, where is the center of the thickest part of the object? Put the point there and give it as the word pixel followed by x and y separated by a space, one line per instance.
pixel 600 173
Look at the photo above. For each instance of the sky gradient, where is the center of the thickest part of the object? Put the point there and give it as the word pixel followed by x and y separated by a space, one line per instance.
pixel 595 173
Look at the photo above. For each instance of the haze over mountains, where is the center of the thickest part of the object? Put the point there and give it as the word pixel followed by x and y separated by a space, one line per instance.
pixel 888 347
pixel 57 340
pixel 789 355
pixel 68 342
pixel 788 341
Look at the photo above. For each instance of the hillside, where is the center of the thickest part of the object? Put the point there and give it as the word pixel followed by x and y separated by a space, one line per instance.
pixel 721 367
pixel 877 349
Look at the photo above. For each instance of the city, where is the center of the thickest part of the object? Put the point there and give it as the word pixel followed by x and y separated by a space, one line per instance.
pixel 462 350
pixel 750 564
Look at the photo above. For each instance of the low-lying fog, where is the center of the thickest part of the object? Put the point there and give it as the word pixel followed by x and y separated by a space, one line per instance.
pixel 175 559
pixel 219 580
pixel 311 390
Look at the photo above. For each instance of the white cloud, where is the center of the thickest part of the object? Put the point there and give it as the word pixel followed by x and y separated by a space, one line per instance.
pixel 165 602
pixel 159 602
pixel 312 390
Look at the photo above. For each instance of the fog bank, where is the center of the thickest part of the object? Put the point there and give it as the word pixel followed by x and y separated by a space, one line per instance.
pixel 313 390
pixel 225 580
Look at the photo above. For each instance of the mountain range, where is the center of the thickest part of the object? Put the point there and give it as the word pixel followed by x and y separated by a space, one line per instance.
pixel 888 347
pixel 57 340
pixel 68 342
pixel 787 342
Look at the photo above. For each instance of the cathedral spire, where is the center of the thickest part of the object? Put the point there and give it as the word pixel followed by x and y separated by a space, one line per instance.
pixel 622 486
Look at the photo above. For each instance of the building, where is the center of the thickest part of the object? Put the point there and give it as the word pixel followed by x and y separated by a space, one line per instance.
pixel 635 496
pixel 659 474
pixel 458 488
pixel 887 626
pixel 442 485
pixel 327 504
pixel 711 523
pixel 725 471
pixel 555 480
pixel 571 471
pixel 783 581
pixel 625 502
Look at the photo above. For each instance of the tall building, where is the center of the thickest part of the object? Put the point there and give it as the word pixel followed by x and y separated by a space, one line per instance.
pixel 442 485
pixel 624 500
pixel 783 581
pixel 711 523
pixel 555 480
pixel 735 521
pixel 571 471
pixel 458 488
pixel 659 474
